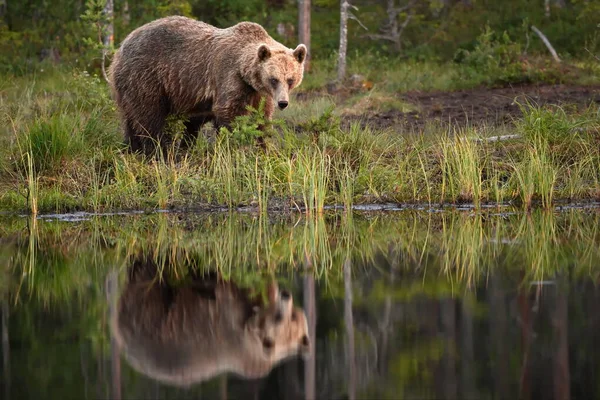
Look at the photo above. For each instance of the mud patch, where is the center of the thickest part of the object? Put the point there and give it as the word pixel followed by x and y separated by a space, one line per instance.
pixel 489 106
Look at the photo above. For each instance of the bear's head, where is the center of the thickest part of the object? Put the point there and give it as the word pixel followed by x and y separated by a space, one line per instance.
pixel 281 70
pixel 280 329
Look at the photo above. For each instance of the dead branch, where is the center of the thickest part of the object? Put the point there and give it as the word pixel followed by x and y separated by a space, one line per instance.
pixel 393 31
pixel 546 42
pixel 592 54
pixel 498 138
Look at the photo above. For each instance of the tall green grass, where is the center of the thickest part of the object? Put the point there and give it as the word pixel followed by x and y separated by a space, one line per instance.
pixel 462 166
pixel 67 154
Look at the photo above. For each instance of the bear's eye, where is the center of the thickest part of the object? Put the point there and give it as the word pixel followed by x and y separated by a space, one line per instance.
pixel 290 82
pixel 273 82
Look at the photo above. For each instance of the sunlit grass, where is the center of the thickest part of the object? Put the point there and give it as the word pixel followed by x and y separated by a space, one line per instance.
pixel 63 153
pixel 462 166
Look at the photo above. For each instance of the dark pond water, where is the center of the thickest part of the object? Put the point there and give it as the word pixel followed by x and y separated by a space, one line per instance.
pixel 375 305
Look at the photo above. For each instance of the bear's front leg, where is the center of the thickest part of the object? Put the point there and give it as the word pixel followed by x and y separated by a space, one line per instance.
pixel 225 112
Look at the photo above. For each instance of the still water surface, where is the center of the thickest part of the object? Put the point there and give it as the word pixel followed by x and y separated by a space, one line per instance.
pixel 374 305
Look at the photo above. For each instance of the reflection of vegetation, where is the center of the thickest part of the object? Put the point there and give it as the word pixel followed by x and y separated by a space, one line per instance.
pixel 409 365
pixel 54 272
pixel 60 260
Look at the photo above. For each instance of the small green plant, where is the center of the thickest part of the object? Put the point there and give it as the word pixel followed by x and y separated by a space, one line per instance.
pixel 494 59
pixel 324 123
pixel 250 128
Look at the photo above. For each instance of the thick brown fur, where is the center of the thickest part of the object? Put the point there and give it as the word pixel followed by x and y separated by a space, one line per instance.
pixel 177 65
pixel 186 334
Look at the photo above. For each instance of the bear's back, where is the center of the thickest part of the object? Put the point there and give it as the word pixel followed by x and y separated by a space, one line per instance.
pixel 250 32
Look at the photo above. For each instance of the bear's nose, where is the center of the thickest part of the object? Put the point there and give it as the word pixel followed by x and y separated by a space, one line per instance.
pixel 282 104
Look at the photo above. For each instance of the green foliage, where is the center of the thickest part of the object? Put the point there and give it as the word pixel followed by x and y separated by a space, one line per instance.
pixel 495 59
pixel 327 122
pixel 251 127
pixel 53 139
pixel 99 22
pixel 90 92
pixel 224 13
pixel 175 7
pixel 69 29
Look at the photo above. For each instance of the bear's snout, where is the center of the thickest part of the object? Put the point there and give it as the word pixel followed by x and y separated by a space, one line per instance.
pixel 282 104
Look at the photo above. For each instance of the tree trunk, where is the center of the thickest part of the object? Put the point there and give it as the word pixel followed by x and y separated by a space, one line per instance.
pixel 526 327
pixel 343 40
pixel 304 28
pixel 112 287
pixel 109 32
pixel 5 350
pixel 349 322
pixel 498 337
pixel 448 363
pixel 467 352
pixel 547 8
pixel 126 14
pixel 562 375
pixel 311 317
pixel 3 12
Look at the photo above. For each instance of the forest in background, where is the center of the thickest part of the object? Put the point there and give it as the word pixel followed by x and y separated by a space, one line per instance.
pixel 34 31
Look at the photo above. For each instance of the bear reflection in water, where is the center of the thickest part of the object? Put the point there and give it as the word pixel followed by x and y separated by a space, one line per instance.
pixel 187 333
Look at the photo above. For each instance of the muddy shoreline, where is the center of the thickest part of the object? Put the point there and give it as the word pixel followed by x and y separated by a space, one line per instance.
pixel 480 106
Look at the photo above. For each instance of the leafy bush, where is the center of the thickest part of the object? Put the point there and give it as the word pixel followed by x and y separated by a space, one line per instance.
pixel 246 129
pixel 495 59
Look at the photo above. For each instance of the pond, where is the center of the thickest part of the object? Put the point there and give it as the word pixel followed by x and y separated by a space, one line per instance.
pixel 411 303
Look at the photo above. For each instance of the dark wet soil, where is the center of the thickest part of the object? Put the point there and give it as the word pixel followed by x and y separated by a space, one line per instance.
pixel 490 106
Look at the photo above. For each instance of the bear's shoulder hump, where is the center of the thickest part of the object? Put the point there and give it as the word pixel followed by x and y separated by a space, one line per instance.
pixel 250 29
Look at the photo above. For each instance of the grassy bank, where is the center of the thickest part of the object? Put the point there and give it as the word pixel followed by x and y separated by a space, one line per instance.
pixel 61 150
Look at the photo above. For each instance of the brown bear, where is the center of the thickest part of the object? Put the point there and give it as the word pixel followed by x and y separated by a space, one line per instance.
pixel 177 65
pixel 181 335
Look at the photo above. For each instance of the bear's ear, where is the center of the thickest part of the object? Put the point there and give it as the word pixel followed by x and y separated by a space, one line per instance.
pixel 263 52
pixel 300 53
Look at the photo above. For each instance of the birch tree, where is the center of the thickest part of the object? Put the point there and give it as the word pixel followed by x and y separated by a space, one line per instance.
pixel 304 28
pixel 126 13
pixel 343 40
pixel 349 323
pixel 345 15
pixel 112 293
pixel 310 307
pixel 109 29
